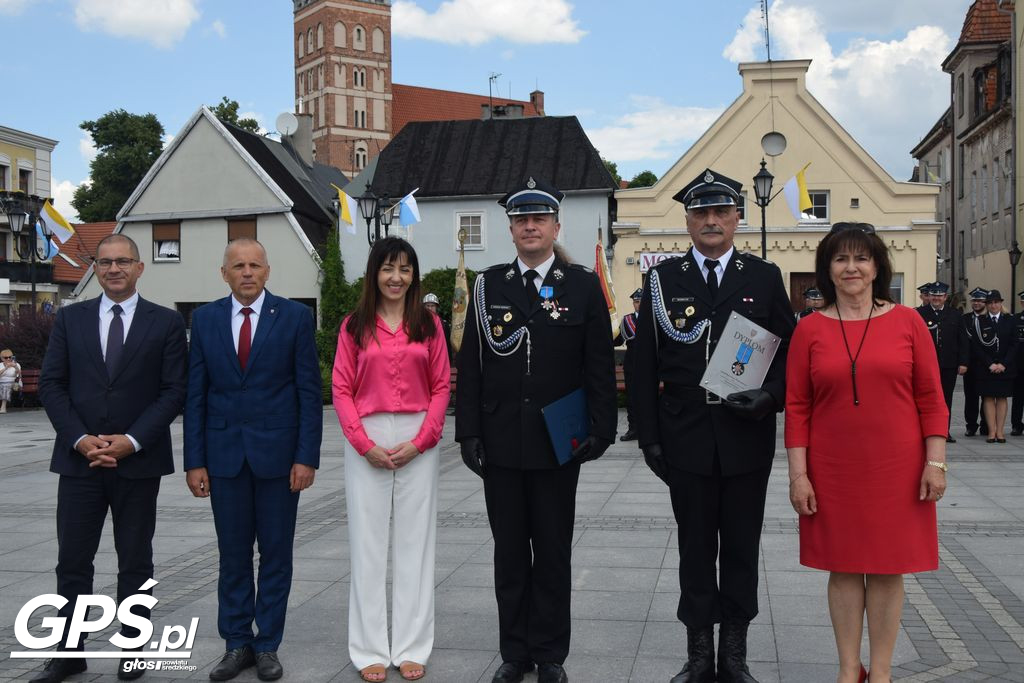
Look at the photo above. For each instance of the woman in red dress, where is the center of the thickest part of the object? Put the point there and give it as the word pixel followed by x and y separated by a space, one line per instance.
pixel 866 437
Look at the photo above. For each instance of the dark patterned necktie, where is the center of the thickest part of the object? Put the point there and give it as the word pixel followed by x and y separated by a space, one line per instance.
pixel 245 339
pixel 115 340
pixel 712 266
pixel 531 285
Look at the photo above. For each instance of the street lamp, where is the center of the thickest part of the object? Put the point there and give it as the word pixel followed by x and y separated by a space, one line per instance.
pixel 22 209
pixel 1014 260
pixel 375 210
pixel 763 191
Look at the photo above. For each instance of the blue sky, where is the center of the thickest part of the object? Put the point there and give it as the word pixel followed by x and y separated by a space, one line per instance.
pixel 645 83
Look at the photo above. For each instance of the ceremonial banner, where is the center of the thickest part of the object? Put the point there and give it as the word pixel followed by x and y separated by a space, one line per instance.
pixel 605 278
pixel 460 298
pixel 742 358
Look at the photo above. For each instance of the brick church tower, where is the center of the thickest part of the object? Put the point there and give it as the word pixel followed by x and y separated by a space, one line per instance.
pixel 343 78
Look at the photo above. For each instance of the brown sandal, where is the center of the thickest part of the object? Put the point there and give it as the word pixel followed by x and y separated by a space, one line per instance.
pixel 411 671
pixel 375 673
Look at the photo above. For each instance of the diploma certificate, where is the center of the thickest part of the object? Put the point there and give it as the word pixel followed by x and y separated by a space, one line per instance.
pixel 741 359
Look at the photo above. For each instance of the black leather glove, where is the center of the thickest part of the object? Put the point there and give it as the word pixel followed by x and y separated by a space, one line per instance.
pixel 473 454
pixel 752 404
pixel 656 461
pixel 592 448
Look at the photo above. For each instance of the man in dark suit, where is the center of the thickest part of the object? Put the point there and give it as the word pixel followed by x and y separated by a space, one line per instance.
pixel 627 335
pixel 813 300
pixel 1017 410
pixel 112 381
pixel 972 400
pixel 253 422
pixel 950 339
pixel 538 329
pixel 715 455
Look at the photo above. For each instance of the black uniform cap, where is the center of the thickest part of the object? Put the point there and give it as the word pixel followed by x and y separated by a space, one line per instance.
pixel 994 295
pixel 710 188
pixel 925 288
pixel 978 294
pixel 532 196
pixel 812 293
pixel 637 295
pixel 938 288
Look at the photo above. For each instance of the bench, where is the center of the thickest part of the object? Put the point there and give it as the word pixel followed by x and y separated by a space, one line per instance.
pixel 29 387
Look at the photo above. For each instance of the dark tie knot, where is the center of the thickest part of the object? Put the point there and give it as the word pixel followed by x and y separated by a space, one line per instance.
pixel 710 264
pixel 530 275
pixel 116 309
pixel 246 311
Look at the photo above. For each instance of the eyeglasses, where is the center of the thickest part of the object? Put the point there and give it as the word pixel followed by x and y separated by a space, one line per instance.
pixel 122 263
pixel 6 357
pixel 843 227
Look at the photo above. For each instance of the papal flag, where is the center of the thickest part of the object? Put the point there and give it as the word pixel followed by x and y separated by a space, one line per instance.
pixel 605 278
pixel 55 223
pixel 460 300
pixel 348 209
pixel 797 197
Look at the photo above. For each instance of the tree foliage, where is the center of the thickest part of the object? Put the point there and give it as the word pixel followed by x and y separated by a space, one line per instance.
pixel 337 298
pixel 227 111
pixel 613 168
pixel 126 147
pixel 26 334
pixel 643 179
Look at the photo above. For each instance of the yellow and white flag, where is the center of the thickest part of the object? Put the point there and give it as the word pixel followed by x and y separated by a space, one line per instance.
pixel 55 223
pixel 797 196
pixel 348 209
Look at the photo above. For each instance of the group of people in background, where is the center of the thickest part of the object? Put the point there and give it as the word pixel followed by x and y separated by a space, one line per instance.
pixel 862 384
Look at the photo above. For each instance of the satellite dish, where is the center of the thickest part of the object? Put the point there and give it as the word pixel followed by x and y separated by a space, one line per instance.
pixel 773 143
pixel 287 123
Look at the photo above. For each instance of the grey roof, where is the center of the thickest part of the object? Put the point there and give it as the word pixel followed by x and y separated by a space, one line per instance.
pixel 489 157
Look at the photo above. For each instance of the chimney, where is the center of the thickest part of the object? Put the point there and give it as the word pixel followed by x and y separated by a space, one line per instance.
pixel 537 100
pixel 301 141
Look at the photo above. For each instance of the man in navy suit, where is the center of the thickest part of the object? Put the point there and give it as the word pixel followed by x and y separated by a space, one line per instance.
pixel 112 381
pixel 253 422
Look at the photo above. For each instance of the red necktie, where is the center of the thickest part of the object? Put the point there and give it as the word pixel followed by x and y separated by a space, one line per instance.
pixel 245 339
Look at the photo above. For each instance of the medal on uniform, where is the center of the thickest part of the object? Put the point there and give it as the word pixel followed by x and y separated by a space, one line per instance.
pixel 497 330
pixel 690 310
pixel 546 292
pixel 743 354
pixel 507 317
pixel 679 323
pixel 555 315
pixel 558 274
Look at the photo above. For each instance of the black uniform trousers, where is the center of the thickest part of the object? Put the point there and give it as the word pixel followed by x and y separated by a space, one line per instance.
pixel 972 404
pixel 531 513
pixel 1017 409
pixel 627 377
pixel 948 378
pixel 719 519
pixel 82 504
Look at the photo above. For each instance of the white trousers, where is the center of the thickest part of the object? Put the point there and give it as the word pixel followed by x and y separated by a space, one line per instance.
pixel 372 494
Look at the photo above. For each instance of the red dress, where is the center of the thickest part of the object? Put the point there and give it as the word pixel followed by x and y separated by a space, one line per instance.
pixel 865 461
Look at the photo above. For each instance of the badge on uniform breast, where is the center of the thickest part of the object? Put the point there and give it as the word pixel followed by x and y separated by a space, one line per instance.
pixel 680 323
pixel 739 264
pixel 507 317
pixel 685 265
pixel 511 273
pixel 690 310
pixel 558 274
pixel 497 330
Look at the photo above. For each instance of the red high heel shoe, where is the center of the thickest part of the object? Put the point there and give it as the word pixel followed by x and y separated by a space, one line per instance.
pixel 863 674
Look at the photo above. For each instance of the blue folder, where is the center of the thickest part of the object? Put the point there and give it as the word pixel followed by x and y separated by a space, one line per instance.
pixel 568 424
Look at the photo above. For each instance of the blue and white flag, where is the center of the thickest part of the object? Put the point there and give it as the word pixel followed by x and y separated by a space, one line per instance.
pixel 408 212
pixel 51 247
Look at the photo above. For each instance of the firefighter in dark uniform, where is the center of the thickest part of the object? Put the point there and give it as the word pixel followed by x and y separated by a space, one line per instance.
pixel 1017 410
pixel 715 455
pixel 923 292
pixel 626 335
pixel 972 399
pixel 537 330
pixel 813 300
pixel 950 338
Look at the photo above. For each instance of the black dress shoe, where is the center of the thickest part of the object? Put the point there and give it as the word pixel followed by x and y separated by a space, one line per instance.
pixel 700 657
pixel 950 439
pixel 551 672
pixel 970 432
pixel 56 670
pixel 268 666
pixel 1016 432
pixel 630 435
pixel 128 671
pixel 233 662
pixel 732 653
pixel 512 672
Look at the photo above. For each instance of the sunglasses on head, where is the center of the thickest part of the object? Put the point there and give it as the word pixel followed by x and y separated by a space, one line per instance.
pixel 843 227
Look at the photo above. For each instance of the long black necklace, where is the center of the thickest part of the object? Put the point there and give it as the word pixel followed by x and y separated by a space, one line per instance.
pixel 853 358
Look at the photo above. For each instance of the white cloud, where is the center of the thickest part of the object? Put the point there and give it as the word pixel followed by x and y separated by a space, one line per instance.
pixel 168 139
pixel 655 130
pixel 887 94
pixel 475 22
pixel 14 6
pixel 257 116
pixel 63 191
pixel 218 27
pixel 159 22
pixel 87 148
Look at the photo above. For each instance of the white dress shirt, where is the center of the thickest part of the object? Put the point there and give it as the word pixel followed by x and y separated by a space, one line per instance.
pixel 237 317
pixel 723 261
pixel 542 270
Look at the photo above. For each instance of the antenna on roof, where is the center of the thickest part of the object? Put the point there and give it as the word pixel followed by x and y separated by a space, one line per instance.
pixel 490 94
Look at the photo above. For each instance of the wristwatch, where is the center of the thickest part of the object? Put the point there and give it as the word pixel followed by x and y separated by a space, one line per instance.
pixel 941 465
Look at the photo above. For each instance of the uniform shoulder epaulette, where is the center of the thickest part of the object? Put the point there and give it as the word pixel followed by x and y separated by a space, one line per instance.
pixel 668 262
pixel 580 266
pixel 754 257
pixel 496 266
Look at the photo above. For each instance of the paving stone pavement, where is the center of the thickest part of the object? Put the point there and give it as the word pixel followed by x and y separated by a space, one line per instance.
pixel 964 622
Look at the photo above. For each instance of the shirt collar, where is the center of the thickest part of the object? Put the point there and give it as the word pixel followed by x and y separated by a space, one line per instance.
pixel 542 269
pixel 127 306
pixel 256 306
pixel 723 260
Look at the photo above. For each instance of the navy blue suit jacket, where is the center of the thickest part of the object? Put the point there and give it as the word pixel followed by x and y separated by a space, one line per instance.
pixel 270 415
pixel 143 397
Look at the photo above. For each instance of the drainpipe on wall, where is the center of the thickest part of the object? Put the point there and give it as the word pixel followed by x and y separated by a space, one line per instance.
pixel 1001 5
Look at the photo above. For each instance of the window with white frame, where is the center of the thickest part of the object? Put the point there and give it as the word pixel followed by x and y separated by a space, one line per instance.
pixel 25 181
pixel 358 38
pixel 473 224
pixel 5 176
pixel 896 287
pixel 167 242
pixel 818 212
pixel 984 190
pixel 974 195
pixel 1007 185
pixel 741 208
pixel 361 155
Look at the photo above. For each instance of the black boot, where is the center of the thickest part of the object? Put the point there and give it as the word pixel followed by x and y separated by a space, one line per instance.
pixel 700 657
pixel 732 653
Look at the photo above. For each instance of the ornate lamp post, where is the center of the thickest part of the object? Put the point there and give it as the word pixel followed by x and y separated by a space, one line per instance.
pixel 763 191
pixel 375 210
pixel 23 210
pixel 1014 254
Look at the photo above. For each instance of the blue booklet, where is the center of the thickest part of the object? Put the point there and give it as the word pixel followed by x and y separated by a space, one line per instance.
pixel 568 424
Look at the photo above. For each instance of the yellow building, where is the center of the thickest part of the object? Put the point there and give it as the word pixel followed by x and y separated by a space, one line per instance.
pixel 844 182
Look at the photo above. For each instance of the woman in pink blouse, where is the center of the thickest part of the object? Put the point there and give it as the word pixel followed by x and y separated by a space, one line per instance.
pixel 391 385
